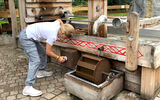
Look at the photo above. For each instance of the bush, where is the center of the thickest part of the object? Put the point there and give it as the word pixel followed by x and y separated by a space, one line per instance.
pixel 80 2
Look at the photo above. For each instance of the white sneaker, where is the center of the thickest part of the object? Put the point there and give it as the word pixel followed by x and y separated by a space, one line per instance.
pixel 29 90
pixel 41 74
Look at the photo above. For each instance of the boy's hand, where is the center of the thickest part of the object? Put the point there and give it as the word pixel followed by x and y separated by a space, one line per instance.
pixel 61 59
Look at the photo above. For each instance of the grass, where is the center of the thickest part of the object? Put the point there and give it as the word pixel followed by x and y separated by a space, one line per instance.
pixel 117 14
pixel 110 14
pixel 3 22
pixel 79 18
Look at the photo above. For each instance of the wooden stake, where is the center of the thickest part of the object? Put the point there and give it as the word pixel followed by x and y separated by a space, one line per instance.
pixel 14 21
pixel 132 37
pixel 22 13
pixel 97 8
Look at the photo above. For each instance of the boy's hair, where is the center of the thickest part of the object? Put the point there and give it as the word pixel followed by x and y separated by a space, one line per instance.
pixel 67 29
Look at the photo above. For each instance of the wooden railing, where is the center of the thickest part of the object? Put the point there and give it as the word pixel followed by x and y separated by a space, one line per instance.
pixel 110 9
pixel 6 13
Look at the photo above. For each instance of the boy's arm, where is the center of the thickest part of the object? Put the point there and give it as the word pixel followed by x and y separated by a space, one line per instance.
pixel 50 53
pixel 60 21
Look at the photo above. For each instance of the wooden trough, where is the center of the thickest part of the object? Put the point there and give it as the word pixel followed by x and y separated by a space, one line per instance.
pixel 89 91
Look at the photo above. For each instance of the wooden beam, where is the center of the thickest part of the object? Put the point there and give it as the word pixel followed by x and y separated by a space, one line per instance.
pixel 14 21
pixel 119 7
pixel 48 0
pixel 45 18
pixel 22 13
pixel 109 7
pixel 132 37
pixel 97 8
pixel 6 13
pixel 57 4
pixel 43 12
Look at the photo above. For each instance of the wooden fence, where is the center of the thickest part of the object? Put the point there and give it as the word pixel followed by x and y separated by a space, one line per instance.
pixel 82 11
pixel 116 8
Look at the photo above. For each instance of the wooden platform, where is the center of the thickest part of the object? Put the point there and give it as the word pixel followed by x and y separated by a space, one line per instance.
pixel 146 79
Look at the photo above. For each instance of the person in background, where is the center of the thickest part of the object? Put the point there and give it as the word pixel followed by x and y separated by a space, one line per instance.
pixel 30 39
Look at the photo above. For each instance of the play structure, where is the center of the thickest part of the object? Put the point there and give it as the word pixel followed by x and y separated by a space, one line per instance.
pixel 115 58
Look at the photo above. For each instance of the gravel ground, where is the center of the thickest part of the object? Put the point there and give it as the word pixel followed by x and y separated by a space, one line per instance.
pixel 13 72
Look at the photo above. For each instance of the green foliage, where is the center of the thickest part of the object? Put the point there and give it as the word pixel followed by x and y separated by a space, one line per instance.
pixel 118 2
pixel 2 5
pixel 80 2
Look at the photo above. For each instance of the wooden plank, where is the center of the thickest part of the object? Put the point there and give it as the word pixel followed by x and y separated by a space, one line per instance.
pixel 30 1
pixel 22 13
pixel 14 21
pixel 108 7
pixel 7 27
pixel 86 65
pixel 132 80
pixel 6 13
pixel 149 22
pixel 57 4
pixel 134 87
pixel 143 33
pixel 80 8
pixel 86 13
pixel 44 18
pixel 96 9
pixel 44 11
pixel 148 82
pixel 119 7
pixel 132 37
pixel 114 49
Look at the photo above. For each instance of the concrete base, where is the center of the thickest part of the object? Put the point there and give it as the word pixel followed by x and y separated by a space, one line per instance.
pixel 89 91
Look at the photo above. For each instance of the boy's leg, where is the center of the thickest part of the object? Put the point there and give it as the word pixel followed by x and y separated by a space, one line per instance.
pixel 43 57
pixel 34 60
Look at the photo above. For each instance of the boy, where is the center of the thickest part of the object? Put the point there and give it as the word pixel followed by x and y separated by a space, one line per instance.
pixel 30 40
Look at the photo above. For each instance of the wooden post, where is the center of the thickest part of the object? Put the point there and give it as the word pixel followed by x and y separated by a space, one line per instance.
pixel 149 8
pixel 95 9
pixel 22 13
pixel 14 21
pixel 149 82
pixel 132 37
pixel 7 7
